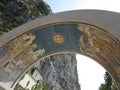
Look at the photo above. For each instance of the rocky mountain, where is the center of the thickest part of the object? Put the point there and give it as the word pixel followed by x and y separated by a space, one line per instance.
pixel 59 72
pixel 17 12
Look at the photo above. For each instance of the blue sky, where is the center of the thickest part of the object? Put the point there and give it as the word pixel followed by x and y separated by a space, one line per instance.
pixel 90 77
pixel 63 5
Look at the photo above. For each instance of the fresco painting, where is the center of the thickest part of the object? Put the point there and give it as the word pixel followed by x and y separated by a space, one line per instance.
pixel 18 54
pixel 97 42
pixel 58 38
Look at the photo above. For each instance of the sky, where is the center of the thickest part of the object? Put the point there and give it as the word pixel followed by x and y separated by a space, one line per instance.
pixel 91 74
pixel 65 5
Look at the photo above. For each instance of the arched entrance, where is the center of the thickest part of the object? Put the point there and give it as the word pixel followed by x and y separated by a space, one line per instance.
pixel 89 32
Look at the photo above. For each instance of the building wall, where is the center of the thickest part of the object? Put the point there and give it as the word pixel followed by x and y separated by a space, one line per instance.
pixel 27 82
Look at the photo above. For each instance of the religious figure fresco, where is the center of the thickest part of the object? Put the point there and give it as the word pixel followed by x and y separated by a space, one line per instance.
pixel 97 42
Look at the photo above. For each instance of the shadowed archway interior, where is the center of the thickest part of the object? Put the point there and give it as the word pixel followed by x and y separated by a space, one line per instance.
pixel 18 54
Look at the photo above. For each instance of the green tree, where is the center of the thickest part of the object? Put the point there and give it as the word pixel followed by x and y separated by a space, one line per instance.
pixel 109 84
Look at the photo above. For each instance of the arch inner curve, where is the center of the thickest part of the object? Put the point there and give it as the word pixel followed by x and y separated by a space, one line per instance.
pixel 90 40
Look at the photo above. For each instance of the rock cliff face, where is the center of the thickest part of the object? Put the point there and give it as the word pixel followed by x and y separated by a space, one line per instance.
pixel 16 12
pixel 59 71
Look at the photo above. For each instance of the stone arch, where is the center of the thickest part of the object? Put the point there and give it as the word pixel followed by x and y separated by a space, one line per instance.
pixel 93 33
